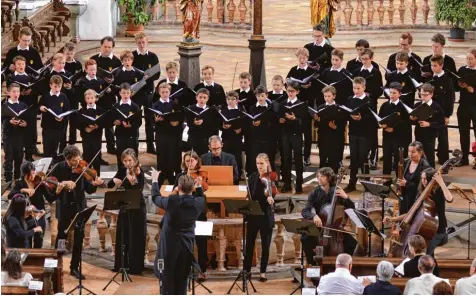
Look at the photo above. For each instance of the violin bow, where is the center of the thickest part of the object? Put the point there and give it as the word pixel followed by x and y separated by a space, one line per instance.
pixel 87 167
pixel 247 185
pixel 46 176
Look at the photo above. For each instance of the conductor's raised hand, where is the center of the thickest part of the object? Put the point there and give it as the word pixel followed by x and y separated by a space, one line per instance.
pixel 155 175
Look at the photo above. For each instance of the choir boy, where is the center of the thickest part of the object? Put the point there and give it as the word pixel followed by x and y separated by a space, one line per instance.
pixel 246 96
pixel 277 94
pixel 331 133
pixel 394 137
pixel 292 132
pixel 168 135
pixel 438 47
pixel 217 93
pixel 414 61
pixel 306 94
pixel 444 95
pixel 427 130
pixel 91 81
pixel 52 127
pixel 106 60
pixel 319 47
pixel 402 75
pixel 127 129
pixel 362 128
pixel 201 126
pixel 467 104
pixel 356 63
pixel 183 98
pixel 72 66
pixel 13 134
pixel 232 132
pixel 31 55
pixel 144 60
pixel 131 75
pixel 339 77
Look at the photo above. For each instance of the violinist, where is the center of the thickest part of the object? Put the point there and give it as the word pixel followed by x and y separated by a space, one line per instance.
pixel 318 199
pixel 262 188
pixel 70 195
pixel 191 166
pixel 439 195
pixel 130 176
pixel 15 224
pixel 28 185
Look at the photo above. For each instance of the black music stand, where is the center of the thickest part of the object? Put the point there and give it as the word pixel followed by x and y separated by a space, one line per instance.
pixel 196 269
pixel 383 192
pixel 79 223
pixel 364 221
pixel 245 208
pixel 122 201
pixel 302 227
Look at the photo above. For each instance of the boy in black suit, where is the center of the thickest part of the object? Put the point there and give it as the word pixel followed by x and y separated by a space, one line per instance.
pixel 92 81
pixel 338 77
pixel 362 128
pixel 414 61
pixel 127 129
pixel 168 135
pixel 217 93
pixel 356 63
pixel 402 76
pixel 128 74
pixel 31 55
pixel 277 94
pixel 52 127
pixel 438 47
pixel 292 130
pixel 246 96
pixel 319 47
pixel 232 137
pixel 13 134
pixel 426 131
pixel 72 66
pixel 397 136
pixel 467 104
pixel 183 98
pixel 444 95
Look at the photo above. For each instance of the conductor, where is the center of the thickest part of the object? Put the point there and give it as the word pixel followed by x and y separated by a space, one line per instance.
pixel 177 237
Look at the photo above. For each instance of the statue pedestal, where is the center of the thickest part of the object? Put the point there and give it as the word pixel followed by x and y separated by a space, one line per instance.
pixel 190 63
pixel 257 44
pixel 77 8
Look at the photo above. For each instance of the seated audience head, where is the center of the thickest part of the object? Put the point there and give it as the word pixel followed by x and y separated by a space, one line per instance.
pixel 72 155
pixel 107 44
pixel 415 151
pixel 472 269
pixel 12 264
pixel 385 271
pixel 185 184
pixel 326 176
pixel 191 161
pixel 426 264
pixel 442 288
pixel 344 261
pixel 416 245
pixel 215 145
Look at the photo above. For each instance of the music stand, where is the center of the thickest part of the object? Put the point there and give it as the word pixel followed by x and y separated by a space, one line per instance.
pixel 470 200
pixel 383 192
pixel 79 222
pixel 193 268
pixel 363 221
pixel 122 201
pixel 245 208
pixel 302 227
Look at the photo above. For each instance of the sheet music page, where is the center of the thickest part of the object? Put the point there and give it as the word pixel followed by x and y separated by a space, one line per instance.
pixel 372 278
pixel 242 188
pixel 204 228
pixel 169 188
pixel 399 268
pixel 354 218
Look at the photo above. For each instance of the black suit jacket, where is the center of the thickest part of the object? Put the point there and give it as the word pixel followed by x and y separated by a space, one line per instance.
pixel 225 159
pixel 381 288
pixel 410 268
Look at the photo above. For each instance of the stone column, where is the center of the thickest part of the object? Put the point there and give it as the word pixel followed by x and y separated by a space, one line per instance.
pixel 190 62
pixel 257 44
pixel 77 8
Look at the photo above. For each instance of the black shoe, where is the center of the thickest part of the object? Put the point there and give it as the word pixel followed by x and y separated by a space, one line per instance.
pixel 298 191
pixel 111 150
pixel 75 273
pixel 151 148
pixel 350 188
pixel 307 161
pixel 103 162
pixel 263 279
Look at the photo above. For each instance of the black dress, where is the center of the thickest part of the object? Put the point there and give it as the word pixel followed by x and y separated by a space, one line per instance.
pixel 135 225
pixel 17 234
pixel 410 191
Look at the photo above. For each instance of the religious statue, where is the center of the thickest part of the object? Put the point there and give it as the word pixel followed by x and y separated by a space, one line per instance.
pixel 191 14
pixel 322 12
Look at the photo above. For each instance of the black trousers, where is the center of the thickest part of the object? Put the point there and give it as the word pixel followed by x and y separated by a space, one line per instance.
pixel 169 156
pixel 13 148
pixel 307 123
pixel 329 153
pixel 391 156
pixel 275 145
pixel 257 147
pixel 91 146
pixel 123 143
pixel 251 234
pixel 149 121
pixel 309 243
pixel 443 145
pixel 199 145
pixel 51 141
pixel 36 241
pixel 429 149
pixel 110 139
pixel 466 115
pixel 67 214
pixel 439 239
pixel 174 279
pixel 235 146
pixel 292 144
pixel 202 252
pixel 359 151
pixel 31 135
pixel 374 147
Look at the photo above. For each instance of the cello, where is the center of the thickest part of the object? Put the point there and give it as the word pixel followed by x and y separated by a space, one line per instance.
pixel 421 218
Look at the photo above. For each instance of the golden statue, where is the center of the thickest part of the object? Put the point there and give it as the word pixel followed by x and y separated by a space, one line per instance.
pixel 322 12
pixel 191 14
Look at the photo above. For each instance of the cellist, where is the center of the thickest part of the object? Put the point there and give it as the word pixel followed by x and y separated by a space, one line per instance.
pixel 317 199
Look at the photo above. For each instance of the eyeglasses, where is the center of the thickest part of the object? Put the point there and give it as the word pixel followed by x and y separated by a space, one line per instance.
pixel 425 94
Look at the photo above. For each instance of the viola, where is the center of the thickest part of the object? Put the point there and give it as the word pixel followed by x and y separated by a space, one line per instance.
pixel 203 174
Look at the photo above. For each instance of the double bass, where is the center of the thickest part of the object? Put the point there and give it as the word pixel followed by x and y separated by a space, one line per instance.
pixel 421 218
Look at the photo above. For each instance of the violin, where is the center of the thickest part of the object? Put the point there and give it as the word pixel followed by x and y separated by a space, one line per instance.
pixel 203 174
pixel 269 181
pixel 82 167
pixel 43 180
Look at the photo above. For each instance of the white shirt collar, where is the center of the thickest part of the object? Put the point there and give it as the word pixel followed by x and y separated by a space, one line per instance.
pixel 330 104
pixel 111 55
pixel 403 72
pixel 211 84
pixel 429 102
pixel 368 69
pixel 265 105
pixel 11 102
pixel 305 67
pixel 320 44
pixel 140 53
pixel 90 78
pixel 62 71
pixel 128 102
pixel 172 82
pixel 396 102
pixel 124 69
pixel 234 108
pixel 16 73
pixel 292 100
pixel 205 107
pixel 164 101
pixel 361 97
pixel 19 48
pixel 52 94
pixel 440 74
pixel 72 61
pixel 91 106
pixel 473 68
pixel 278 93
pixel 343 271
pixel 338 70
pixel 245 90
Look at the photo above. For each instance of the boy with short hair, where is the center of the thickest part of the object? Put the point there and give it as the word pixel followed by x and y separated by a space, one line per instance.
pixel 246 96
pixel 13 133
pixel 356 63
pixel 217 93
pixel 426 131
pixel 401 74
pixel 338 77
pixel 53 128
pixel 92 81
pixel 232 134
pixel 168 135
pixel 438 47
pixel 72 66
pixel 183 98
pixel 362 128
pixel 127 129
pixel 31 55
pixel 131 75
pixel 414 61
pixel 277 94
pixel 319 47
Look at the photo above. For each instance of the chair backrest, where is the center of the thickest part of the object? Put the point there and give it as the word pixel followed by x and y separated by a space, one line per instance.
pixel 219 174
pixel 14 290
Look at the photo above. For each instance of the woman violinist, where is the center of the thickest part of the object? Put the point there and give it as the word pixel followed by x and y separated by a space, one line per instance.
pixel 29 184
pixel 191 165
pixel 130 177
pixel 262 188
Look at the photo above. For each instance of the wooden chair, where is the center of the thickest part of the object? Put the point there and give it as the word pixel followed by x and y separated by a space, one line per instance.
pixel 14 290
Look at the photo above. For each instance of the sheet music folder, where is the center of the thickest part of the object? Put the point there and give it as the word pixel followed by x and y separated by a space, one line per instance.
pixel 81 217
pixel 380 190
pixel 302 227
pixel 245 207
pixel 130 199
pixel 363 221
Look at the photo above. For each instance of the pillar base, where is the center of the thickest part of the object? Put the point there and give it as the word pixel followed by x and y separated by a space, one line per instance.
pixel 257 44
pixel 190 63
